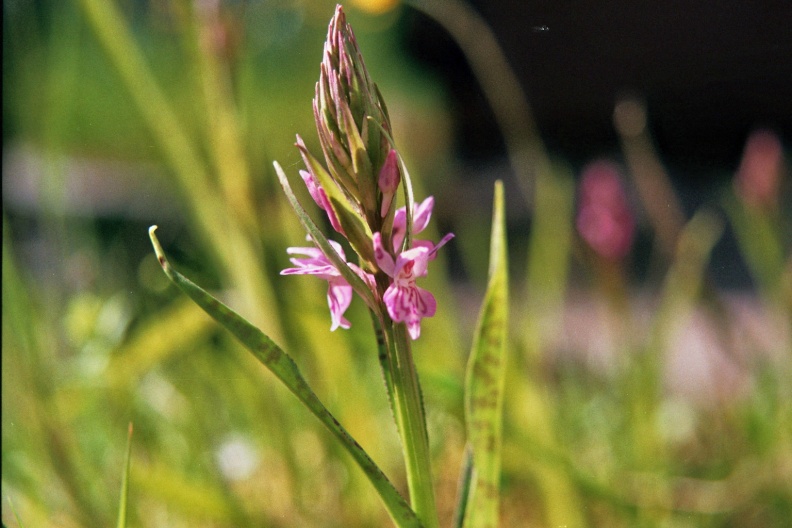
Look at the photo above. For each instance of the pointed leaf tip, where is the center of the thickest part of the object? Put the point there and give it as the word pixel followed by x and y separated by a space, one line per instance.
pixel 484 382
pixel 159 251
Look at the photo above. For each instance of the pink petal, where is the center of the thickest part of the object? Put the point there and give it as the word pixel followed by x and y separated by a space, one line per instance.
pixel 421 214
pixel 399 228
pixel 339 297
pixel 425 304
pixel 409 304
pixel 313 187
pixel 414 329
pixel 311 252
pixel 412 263
pixel 383 258
pixel 396 301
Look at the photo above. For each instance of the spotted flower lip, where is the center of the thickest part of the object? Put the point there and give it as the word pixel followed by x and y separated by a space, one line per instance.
pixel 339 291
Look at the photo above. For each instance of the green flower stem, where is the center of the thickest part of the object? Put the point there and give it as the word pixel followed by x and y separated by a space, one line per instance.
pixel 407 403
pixel 384 359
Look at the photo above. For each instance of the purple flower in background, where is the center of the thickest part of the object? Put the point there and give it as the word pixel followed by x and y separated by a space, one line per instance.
pixel 339 292
pixel 604 219
pixel 759 176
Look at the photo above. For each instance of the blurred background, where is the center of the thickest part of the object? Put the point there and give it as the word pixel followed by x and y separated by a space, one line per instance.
pixel 644 149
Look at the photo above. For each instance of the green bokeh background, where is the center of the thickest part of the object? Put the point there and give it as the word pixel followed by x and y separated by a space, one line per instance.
pixel 94 337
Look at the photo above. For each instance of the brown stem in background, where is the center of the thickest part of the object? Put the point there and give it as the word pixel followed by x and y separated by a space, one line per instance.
pixel 651 180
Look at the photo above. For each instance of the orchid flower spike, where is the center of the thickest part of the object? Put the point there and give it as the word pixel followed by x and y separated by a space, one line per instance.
pixel 356 186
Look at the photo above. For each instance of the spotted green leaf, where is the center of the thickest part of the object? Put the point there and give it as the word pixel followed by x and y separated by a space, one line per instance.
pixel 484 384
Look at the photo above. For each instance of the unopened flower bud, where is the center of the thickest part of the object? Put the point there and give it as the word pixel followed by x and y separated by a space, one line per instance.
pixel 320 197
pixel 351 119
pixel 389 181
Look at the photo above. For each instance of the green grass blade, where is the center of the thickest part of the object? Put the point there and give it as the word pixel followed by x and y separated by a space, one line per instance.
pixel 463 488
pixel 122 504
pixel 285 369
pixel 16 515
pixel 485 380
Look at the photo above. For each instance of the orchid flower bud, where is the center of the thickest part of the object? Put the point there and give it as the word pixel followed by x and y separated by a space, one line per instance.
pixel 351 120
pixel 389 181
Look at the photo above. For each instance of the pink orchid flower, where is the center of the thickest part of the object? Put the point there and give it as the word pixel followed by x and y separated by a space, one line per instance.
pixel 339 291
pixel 422 213
pixel 405 301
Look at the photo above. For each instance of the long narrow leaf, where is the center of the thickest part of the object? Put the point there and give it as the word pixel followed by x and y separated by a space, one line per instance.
pixel 284 368
pixel 122 503
pixel 485 380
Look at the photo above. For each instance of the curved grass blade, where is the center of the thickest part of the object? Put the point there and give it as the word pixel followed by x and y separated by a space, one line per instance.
pixel 284 368
pixel 122 504
pixel 485 380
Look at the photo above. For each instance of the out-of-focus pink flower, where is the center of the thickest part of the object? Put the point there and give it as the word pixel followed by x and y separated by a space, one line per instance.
pixel 759 176
pixel 604 219
pixel 339 292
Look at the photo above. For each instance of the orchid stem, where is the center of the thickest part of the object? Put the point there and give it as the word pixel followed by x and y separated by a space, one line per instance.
pixel 410 417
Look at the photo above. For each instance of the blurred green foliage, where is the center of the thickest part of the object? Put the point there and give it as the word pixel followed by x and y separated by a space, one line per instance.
pixel 94 337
